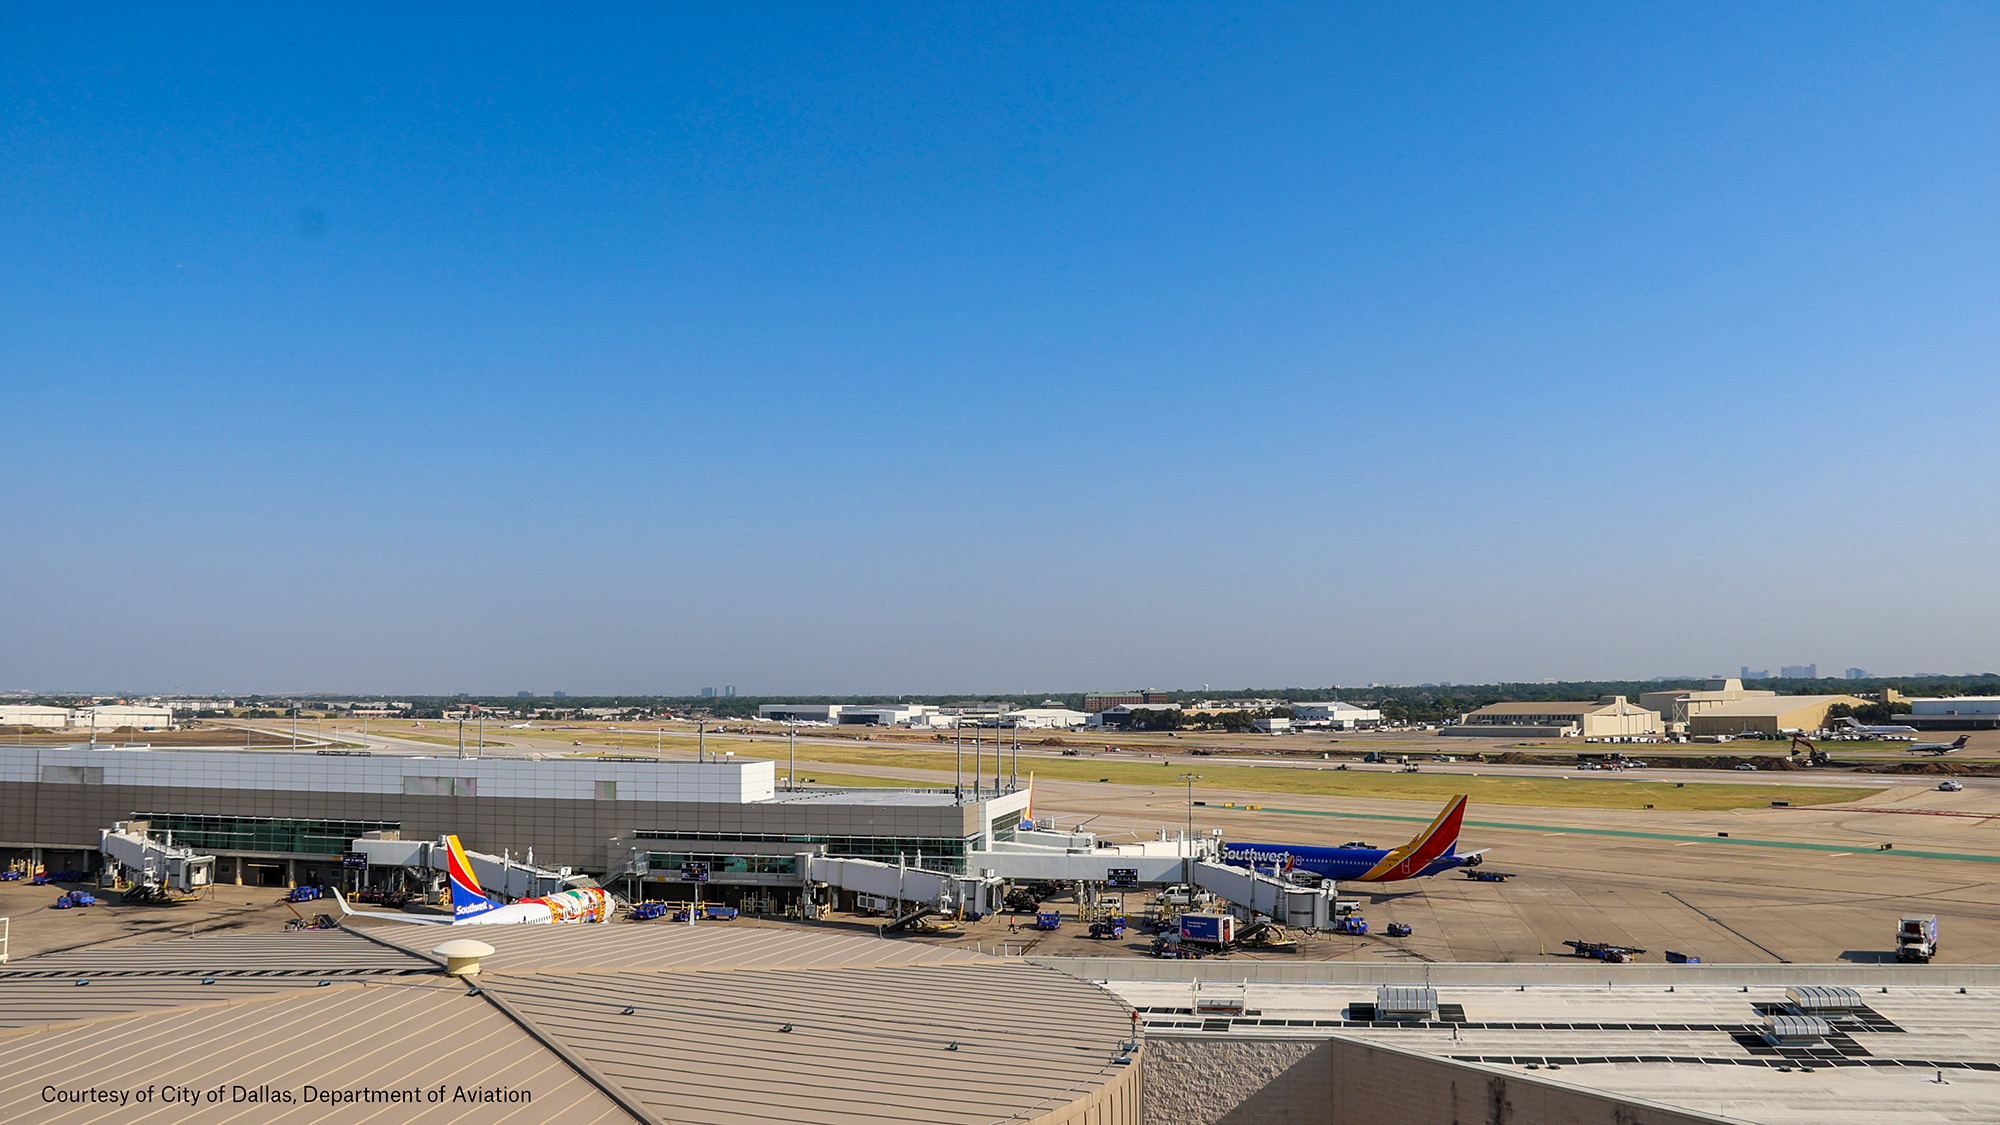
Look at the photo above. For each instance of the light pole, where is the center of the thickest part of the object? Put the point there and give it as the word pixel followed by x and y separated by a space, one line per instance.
pixel 791 755
pixel 957 762
pixel 1188 844
pixel 700 741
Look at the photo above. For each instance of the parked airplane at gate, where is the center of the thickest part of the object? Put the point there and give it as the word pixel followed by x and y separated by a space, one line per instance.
pixel 1939 747
pixel 471 907
pixel 1433 850
pixel 1848 724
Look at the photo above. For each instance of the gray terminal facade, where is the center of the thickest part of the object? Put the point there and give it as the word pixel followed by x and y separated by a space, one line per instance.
pixel 279 818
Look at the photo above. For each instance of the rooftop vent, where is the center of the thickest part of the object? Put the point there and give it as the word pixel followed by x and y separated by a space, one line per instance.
pixel 1820 1000
pixel 1405 1002
pixel 1794 1031
pixel 461 956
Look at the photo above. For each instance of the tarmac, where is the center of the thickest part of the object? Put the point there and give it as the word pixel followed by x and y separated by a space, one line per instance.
pixel 1794 884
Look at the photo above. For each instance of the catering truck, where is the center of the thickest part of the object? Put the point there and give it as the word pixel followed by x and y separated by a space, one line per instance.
pixel 1916 938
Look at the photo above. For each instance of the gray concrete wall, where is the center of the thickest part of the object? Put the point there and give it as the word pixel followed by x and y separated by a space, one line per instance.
pixel 1229 1080
pixel 1574 974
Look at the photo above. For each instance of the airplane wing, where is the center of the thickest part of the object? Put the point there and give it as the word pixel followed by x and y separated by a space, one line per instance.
pixel 350 912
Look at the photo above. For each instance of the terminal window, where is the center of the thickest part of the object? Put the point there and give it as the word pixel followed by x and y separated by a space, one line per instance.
pixel 262 833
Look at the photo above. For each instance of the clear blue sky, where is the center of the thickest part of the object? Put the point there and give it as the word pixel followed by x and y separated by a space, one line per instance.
pixel 874 349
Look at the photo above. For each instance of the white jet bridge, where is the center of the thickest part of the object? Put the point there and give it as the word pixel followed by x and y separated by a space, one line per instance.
pixel 498 875
pixel 155 870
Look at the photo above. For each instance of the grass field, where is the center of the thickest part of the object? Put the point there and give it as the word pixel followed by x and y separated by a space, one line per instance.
pixel 1545 791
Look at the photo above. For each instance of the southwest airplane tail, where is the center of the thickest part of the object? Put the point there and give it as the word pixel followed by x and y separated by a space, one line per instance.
pixel 468 901
pixel 471 907
pixel 1431 851
pixel 1436 842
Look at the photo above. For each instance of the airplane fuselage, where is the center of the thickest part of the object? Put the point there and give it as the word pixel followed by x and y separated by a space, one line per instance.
pixel 1343 865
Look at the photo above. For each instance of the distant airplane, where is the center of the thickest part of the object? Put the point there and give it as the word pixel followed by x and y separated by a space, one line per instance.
pixel 1433 850
pixel 471 907
pixel 517 726
pixel 1848 724
pixel 1939 747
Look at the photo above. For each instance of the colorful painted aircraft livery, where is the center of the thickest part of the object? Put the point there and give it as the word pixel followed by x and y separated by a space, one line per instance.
pixel 1433 850
pixel 471 907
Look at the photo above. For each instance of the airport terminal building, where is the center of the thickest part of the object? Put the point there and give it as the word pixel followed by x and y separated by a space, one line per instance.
pixel 277 819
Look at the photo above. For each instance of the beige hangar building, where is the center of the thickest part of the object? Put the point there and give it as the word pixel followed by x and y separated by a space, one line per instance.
pixel 1770 716
pixel 1613 716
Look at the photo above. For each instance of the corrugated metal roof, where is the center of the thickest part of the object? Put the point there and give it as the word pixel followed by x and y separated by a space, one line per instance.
pixel 1814 998
pixel 880 1031
pixel 308 951
pixel 25 1002
pixel 416 1032
pixel 866 1045
pixel 1404 999
pixel 1796 1029
pixel 668 948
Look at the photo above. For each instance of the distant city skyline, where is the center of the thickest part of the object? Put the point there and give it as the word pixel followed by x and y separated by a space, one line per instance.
pixel 946 348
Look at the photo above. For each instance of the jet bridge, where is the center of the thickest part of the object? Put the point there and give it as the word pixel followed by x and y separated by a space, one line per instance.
pixel 1305 907
pixel 498 875
pixel 938 890
pixel 156 870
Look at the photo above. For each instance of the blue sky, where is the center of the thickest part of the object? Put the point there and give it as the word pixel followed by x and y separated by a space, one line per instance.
pixel 864 349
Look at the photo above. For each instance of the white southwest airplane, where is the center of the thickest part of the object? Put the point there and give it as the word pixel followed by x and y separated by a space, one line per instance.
pixel 471 907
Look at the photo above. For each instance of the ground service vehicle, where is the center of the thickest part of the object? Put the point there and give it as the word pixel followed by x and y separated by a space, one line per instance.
pixel 1681 958
pixel 1399 929
pixel 1113 927
pixel 1352 924
pixel 1048 920
pixel 1950 786
pixel 1917 938
pixel 1208 929
pixel 1605 951
pixel 1484 876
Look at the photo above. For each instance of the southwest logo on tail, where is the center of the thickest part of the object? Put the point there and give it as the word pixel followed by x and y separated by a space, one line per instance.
pixel 467 900
pixel 1433 850
pixel 471 907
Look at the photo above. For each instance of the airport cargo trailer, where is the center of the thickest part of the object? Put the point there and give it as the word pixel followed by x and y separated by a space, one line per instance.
pixel 1215 930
